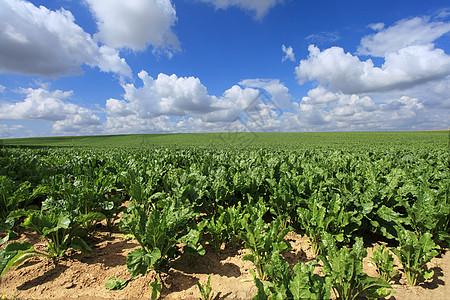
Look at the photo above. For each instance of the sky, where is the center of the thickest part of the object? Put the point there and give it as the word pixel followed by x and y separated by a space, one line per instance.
pixel 95 67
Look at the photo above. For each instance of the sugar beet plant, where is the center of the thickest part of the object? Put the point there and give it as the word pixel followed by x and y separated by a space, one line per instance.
pixel 158 233
pixel 13 197
pixel 177 194
pixel 263 239
pixel 428 209
pixel 344 267
pixel 62 230
pixel 414 253
pixel 226 226
pixel 384 262
pixel 300 283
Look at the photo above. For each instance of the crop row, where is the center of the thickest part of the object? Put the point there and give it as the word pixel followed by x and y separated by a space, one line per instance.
pixel 252 199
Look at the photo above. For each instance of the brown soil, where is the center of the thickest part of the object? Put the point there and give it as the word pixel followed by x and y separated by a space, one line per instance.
pixel 84 276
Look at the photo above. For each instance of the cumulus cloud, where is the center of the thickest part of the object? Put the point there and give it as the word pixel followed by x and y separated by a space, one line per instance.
pixel 165 95
pixel 110 61
pixel 347 73
pixel 36 40
pixel 242 99
pixel 161 124
pixel 320 95
pixel 242 108
pixel 2 88
pixel 436 94
pixel 278 91
pixel 258 7
pixel 180 97
pixel 136 24
pixel 186 102
pixel 405 33
pixel 44 105
pixel 355 112
pixel 288 53
pixel 352 93
pixel 336 104
pixel 410 59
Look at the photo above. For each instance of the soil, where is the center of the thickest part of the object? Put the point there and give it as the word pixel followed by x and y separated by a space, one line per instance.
pixel 83 276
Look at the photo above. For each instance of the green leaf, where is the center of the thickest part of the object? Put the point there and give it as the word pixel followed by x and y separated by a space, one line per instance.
pixel 139 261
pixel 380 293
pixel 63 222
pixel 263 293
pixel 80 244
pixel 307 285
pixel 114 283
pixel 373 286
pixel 206 290
pixel 192 240
pixel 156 289
pixel 339 237
pixel 249 257
pixel 428 275
pixel 11 235
pixel 13 254
pixel 90 217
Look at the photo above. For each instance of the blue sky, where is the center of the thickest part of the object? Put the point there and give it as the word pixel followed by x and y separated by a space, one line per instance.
pixel 150 66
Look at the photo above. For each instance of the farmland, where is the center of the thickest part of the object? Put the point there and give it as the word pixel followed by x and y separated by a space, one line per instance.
pixel 253 140
pixel 285 215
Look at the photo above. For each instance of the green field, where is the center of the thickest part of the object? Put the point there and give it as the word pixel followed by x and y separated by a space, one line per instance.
pixel 182 195
pixel 253 140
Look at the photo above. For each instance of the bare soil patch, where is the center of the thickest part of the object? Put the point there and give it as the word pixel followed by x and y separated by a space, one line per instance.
pixel 83 276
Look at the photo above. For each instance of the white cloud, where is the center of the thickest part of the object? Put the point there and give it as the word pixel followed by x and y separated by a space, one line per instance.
pixel 288 53
pixel 7 131
pixel 44 105
pixel 161 124
pixel 36 40
pixel 352 93
pixel 110 61
pixel 2 88
pixel 258 7
pixel 165 95
pixel 39 104
pixel 185 100
pixel 278 91
pixel 135 24
pixel 410 59
pixel 354 112
pixel 346 73
pixel 78 124
pixel 323 37
pixel 119 108
pixel 240 108
pixel 405 33
pixel 442 13
pixel 437 94
pixel 242 99
pixel 179 96
pixel 376 26
pixel 320 95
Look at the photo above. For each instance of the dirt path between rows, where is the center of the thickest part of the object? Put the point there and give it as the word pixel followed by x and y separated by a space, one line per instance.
pixel 84 276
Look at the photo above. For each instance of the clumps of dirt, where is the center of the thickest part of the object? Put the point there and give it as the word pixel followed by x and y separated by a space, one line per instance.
pixel 83 276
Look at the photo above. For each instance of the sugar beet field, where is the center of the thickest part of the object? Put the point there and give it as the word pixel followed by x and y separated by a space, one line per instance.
pixel 226 216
